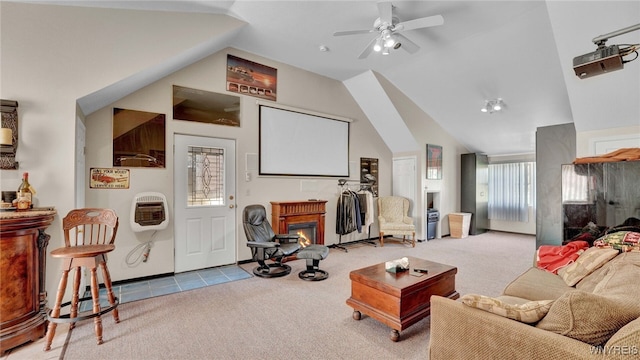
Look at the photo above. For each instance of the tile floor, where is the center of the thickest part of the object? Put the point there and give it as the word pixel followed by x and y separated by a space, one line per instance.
pixel 129 292
pixel 170 284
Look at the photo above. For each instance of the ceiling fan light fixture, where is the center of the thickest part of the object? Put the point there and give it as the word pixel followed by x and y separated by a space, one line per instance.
pixel 389 29
pixel 390 42
pixel 378 45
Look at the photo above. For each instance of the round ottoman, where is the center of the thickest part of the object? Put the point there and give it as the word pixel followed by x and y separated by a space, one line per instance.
pixel 313 254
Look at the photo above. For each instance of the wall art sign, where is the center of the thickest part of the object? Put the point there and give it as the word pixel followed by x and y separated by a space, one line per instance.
pixel 434 162
pixel 250 78
pixel 102 178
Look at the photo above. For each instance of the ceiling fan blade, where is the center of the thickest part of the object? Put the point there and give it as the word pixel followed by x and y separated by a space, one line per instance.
pixel 386 12
pixel 420 23
pixel 368 49
pixel 351 32
pixel 407 44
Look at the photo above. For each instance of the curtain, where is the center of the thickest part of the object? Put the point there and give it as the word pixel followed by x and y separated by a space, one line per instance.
pixel 511 191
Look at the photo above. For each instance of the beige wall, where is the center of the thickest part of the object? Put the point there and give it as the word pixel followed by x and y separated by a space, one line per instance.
pixel 50 56
pixel 297 88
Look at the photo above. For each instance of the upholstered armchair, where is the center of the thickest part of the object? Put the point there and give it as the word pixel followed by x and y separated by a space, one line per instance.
pixel 266 245
pixel 393 219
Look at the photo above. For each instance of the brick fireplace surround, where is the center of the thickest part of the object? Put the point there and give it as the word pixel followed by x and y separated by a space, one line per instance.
pixel 285 213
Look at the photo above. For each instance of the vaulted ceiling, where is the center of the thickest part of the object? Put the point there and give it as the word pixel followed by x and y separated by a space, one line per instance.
pixel 520 51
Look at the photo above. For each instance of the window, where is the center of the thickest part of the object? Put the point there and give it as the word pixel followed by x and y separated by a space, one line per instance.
pixel 511 191
pixel 205 176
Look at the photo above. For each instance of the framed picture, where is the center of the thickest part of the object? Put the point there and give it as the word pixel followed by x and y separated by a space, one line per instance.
pixel 138 138
pixel 434 162
pixel 250 78
pixel 205 106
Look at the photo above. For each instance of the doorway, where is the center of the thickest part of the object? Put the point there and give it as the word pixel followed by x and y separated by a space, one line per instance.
pixel 404 180
pixel 205 205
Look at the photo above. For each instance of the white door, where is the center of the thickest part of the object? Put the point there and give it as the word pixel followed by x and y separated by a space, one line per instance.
pixel 205 206
pixel 404 180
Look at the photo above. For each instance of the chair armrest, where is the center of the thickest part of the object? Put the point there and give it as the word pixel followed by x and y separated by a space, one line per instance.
pixel 287 237
pixel 407 220
pixel 264 245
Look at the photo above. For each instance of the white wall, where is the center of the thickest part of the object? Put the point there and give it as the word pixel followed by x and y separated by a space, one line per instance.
pixel 426 131
pixel 617 137
pixel 296 87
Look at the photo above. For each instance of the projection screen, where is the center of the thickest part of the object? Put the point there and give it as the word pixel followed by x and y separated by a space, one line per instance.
pixel 293 143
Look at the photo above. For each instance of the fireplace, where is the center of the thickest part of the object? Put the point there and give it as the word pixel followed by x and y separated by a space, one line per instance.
pixel 306 217
pixel 307 232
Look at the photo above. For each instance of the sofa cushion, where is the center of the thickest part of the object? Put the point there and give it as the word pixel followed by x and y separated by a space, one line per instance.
pixel 537 284
pixel 592 280
pixel 590 260
pixel 621 282
pixel 587 317
pixel 527 312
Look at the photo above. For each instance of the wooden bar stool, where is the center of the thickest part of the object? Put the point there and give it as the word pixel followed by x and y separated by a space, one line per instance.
pixel 89 235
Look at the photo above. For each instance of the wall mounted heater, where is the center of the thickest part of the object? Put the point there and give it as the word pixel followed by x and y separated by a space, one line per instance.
pixel 149 211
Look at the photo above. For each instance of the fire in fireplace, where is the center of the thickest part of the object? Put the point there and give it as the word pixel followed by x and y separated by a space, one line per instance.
pixel 307 232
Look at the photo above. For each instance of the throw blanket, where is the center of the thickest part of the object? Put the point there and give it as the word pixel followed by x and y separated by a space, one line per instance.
pixel 551 257
pixel 626 154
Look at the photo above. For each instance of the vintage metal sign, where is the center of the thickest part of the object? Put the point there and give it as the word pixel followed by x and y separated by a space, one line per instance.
pixel 109 178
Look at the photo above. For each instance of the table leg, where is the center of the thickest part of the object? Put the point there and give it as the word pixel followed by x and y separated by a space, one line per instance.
pixel 395 335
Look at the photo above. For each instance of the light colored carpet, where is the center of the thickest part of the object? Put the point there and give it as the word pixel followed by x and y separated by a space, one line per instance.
pixel 290 318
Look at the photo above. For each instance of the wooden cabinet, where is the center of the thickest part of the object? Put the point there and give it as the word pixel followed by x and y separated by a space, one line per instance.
pixel 23 252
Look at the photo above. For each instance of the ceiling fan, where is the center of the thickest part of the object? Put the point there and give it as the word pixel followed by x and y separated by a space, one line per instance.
pixel 389 30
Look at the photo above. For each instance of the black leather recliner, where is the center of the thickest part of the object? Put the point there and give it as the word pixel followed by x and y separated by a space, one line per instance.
pixel 266 245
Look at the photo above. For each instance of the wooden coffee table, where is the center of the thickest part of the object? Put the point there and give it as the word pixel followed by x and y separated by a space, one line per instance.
pixel 400 300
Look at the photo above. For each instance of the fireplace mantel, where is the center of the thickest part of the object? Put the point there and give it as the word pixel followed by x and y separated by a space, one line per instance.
pixel 284 213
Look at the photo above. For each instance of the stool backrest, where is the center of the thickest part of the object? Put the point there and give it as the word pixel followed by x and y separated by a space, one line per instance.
pixel 90 226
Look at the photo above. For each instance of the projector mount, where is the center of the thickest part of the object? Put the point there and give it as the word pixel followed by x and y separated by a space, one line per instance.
pixel 605 58
pixel 600 40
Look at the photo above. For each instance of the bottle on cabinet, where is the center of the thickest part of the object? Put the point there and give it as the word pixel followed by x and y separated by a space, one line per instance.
pixel 25 194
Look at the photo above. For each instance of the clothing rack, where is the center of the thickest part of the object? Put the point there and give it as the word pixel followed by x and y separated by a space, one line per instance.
pixel 364 186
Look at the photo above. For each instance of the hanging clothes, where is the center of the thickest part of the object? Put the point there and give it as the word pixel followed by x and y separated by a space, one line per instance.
pixel 348 217
pixel 366 207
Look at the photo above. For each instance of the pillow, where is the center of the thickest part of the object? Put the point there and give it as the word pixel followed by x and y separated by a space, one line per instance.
pixel 620 240
pixel 587 317
pixel 529 312
pixel 590 260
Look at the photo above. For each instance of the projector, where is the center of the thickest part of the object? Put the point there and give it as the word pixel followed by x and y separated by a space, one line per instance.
pixel 603 60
